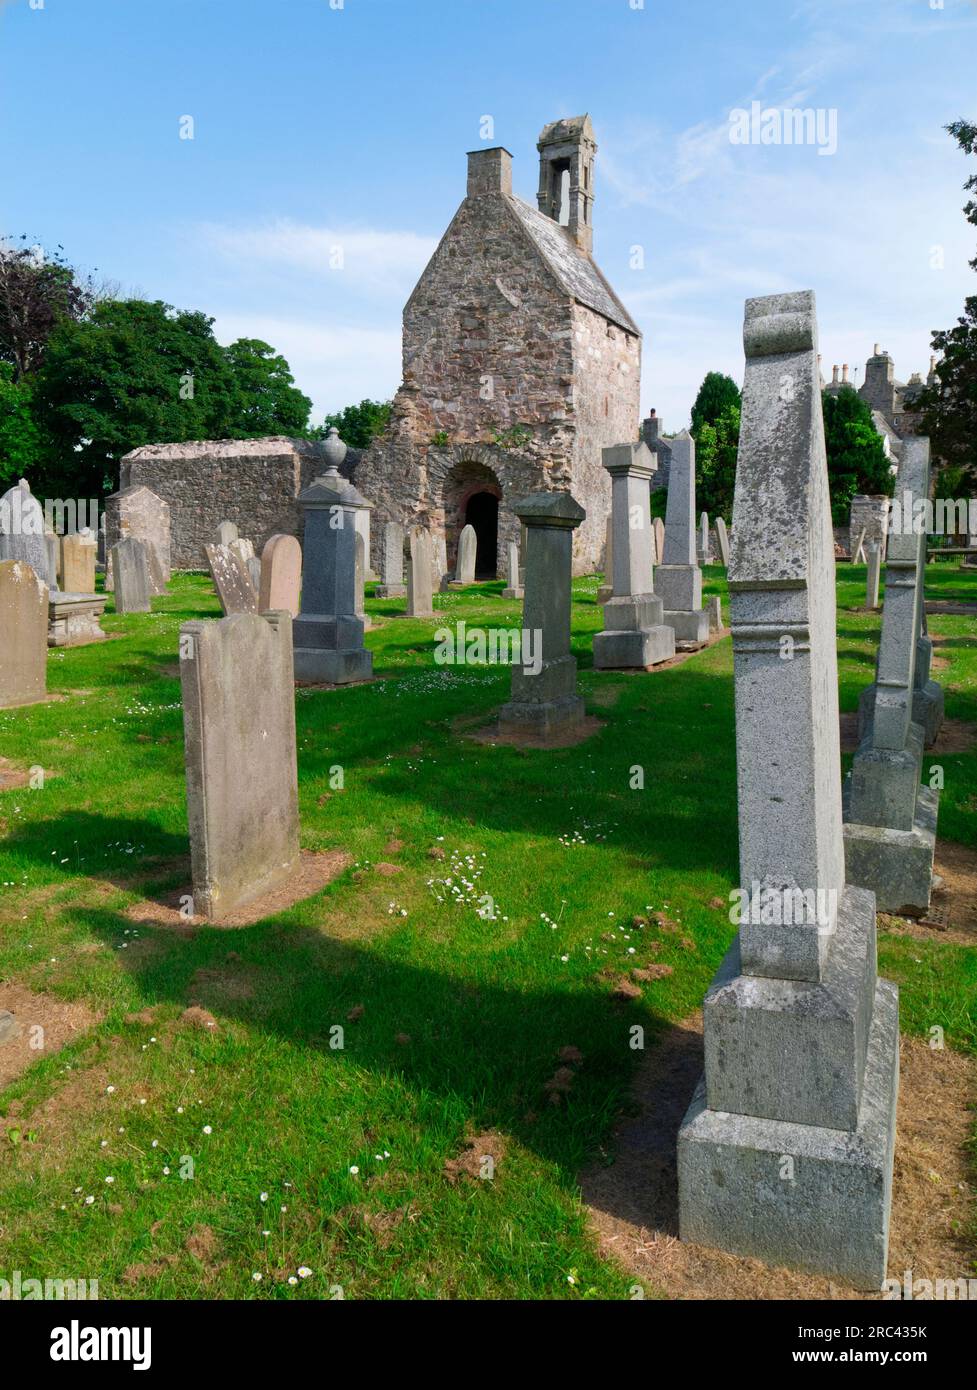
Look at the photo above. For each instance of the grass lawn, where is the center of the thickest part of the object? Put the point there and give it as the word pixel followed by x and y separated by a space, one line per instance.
pixel 264 1146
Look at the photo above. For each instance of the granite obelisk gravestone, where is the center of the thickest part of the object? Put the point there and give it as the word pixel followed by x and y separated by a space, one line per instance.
pixel 678 579
pixel 785 1153
pixel 392 585
pixel 634 634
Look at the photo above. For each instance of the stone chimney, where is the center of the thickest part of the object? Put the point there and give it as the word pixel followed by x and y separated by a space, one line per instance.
pixel 489 171
pixel 649 429
pixel 844 374
pixel 566 177
pixel 834 375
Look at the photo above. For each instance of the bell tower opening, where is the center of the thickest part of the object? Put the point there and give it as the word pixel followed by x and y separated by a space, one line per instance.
pixel 566 176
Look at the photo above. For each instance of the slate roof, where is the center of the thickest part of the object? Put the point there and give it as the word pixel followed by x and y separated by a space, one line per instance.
pixel 577 273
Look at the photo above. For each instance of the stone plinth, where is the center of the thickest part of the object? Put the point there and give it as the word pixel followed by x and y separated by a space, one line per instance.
pixel 74 620
pixel 634 634
pixel 546 703
pixel 785 1153
pixel 242 782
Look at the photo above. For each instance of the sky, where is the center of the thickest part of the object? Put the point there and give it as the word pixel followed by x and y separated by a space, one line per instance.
pixel 325 124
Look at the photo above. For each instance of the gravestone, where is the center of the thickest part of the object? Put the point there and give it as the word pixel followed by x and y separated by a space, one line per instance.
pixel 785 1153
pixel 465 566
pixel 606 590
pixel 253 567
pixel 74 620
pixel 227 533
pixel 872 576
pixel 634 634
pixel 232 579
pixel 363 529
pixel 890 817
pixel 704 551
pixel 659 527
pixel 420 575
pixel 714 607
pixel 22 534
pixel 513 588
pixel 281 576
pixel 722 540
pixel 392 585
pixel 545 703
pixel 360 557
pixel 23 635
pixel 53 543
pixel 78 563
pixel 440 558
pixel 678 579
pixel 244 548
pixel 858 556
pixel 130 566
pixel 242 783
pixel 329 631
pixel 137 511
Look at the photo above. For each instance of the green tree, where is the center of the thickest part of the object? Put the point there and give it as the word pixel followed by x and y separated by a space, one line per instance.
pixel 358 425
pixel 949 409
pixel 20 438
pixel 855 449
pixel 268 401
pixel 716 394
pixel 717 445
pixel 37 291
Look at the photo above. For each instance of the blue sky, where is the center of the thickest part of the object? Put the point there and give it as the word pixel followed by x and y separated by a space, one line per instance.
pixel 319 124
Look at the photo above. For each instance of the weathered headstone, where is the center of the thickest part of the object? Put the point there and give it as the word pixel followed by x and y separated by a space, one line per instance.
pixel 785 1153
pixel 544 702
pixel 858 556
pixel 281 576
pixel 363 529
pixel 465 565
pixel 440 557
pixel 420 575
pixel 74 619
pixel 78 563
pixel 232 579
pixel 329 631
pixel 634 634
pixel 23 634
pixel 130 566
pixel 392 585
pixel 890 829
pixel 872 576
pixel 137 511
pixel 704 550
pixel 714 607
pixel 722 540
pixel 227 533
pixel 242 783
pixel 678 579
pixel 244 548
pixel 659 526
pixel 22 532
pixel 53 543
pixel 606 590
pixel 360 556
pixel 513 588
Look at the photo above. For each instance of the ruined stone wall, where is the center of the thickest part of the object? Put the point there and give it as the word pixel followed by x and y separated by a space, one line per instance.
pixel 252 482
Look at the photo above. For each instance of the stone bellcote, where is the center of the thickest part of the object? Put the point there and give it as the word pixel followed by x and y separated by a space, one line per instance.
pixel 566 177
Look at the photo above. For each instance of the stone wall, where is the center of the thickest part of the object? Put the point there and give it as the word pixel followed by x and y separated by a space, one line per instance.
pixel 871 514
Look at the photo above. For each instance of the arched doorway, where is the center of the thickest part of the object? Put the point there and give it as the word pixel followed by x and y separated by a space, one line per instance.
pixel 482 513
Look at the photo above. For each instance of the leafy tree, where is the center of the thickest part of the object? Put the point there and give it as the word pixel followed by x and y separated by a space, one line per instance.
pixel 949 410
pixel 715 461
pixel 20 438
pixel 268 401
pixel 716 394
pixel 37 292
pixel 358 425
pixel 855 449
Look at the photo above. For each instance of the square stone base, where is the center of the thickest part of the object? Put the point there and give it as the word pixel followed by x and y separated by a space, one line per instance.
pixel 803 1196
pixel 390 591
pixel 344 667
pixel 928 703
pixel 688 625
pixel 542 720
pixel 73 619
pixel 513 593
pixel 896 864
pixel 645 647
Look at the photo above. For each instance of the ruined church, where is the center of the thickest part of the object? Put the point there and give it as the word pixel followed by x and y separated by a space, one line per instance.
pixel 520 363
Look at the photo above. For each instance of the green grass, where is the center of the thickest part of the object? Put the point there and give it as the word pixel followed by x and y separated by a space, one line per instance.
pixel 568 854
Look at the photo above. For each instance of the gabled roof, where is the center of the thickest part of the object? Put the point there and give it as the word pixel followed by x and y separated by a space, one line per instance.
pixel 576 272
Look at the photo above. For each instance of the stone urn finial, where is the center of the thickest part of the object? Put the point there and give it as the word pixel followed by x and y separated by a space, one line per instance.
pixel 334 450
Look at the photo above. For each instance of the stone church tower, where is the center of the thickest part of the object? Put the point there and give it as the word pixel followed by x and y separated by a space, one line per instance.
pixel 520 364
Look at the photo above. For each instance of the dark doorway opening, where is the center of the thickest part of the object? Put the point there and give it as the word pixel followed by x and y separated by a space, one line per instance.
pixel 482 513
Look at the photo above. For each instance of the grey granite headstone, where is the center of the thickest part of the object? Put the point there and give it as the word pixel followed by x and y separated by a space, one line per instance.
pixel 130 567
pixel 722 540
pixel 513 588
pixel 606 590
pixel 634 634
pixel 704 551
pixel 232 579
pixel 420 575
pixel 242 783
pixel 360 556
pixel 22 532
pixel 785 1153
pixel 545 703
pixel 392 584
pixel 890 830
pixel 872 576
pixel 329 631
pixel 659 527
pixel 678 579
pixel 23 634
